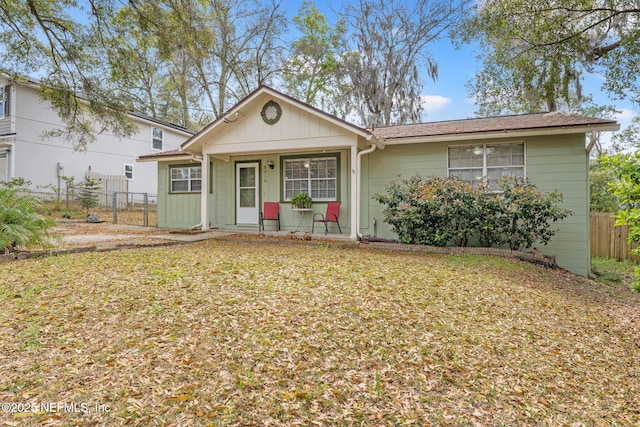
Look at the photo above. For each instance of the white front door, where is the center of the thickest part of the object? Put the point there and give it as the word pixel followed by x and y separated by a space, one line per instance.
pixel 247 193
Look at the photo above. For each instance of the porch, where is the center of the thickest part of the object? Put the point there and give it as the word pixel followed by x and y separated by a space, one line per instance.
pixel 267 148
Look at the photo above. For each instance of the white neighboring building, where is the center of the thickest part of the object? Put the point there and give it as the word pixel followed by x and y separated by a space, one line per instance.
pixel 24 153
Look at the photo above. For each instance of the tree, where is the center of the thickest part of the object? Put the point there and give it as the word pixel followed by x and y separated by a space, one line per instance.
pixel 185 61
pixel 600 180
pixel 387 47
pixel 310 72
pixel 88 193
pixel 535 53
pixel 204 55
pixel 20 225
pixel 628 138
pixel 595 145
pixel 626 187
pixel 42 35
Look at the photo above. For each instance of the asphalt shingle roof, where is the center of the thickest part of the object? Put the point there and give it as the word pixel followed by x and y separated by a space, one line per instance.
pixel 489 124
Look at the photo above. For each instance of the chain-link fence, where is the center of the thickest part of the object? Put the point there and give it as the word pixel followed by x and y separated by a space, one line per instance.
pixel 133 208
pixel 117 207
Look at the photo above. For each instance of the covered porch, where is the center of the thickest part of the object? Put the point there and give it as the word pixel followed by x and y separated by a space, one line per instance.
pixel 234 195
pixel 270 147
pixel 266 148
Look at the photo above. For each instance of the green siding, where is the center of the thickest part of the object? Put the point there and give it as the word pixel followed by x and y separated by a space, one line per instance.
pixel 223 201
pixel 553 163
pixel 175 210
pixel 560 164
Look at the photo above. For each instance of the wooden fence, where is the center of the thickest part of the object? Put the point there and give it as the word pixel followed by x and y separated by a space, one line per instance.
pixel 608 240
pixel 111 184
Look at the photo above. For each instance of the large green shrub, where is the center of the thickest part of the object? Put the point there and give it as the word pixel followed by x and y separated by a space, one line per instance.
pixel 415 216
pixel 525 214
pixel 20 225
pixel 626 187
pixel 440 211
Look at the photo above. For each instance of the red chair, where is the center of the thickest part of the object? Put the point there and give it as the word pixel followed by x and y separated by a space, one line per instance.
pixel 333 210
pixel 271 213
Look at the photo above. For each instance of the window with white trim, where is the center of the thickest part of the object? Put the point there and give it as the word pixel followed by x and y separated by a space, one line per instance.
pixel 157 137
pixel 185 179
pixel 4 166
pixel 128 171
pixel 5 101
pixel 316 176
pixel 486 162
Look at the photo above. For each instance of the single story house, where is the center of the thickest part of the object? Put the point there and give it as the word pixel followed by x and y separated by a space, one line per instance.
pixel 270 146
pixel 24 153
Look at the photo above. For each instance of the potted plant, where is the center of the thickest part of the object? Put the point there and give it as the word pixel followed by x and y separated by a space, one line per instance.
pixel 301 201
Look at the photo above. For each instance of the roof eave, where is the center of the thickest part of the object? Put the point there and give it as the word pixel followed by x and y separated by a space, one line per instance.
pixel 160 123
pixel 516 133
pixel 161 158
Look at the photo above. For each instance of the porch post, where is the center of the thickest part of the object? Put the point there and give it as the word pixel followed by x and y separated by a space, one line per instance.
pixel 204 193
pixel 353 203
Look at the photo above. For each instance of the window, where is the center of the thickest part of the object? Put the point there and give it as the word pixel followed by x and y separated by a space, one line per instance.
pixel 186 179
pixel 5 101
pixel 4 165
pixel 316 176
pixel 156 139
pixel 128 171
pixel 486 162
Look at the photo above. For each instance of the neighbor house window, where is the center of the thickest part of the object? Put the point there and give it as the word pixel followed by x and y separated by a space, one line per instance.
pixel 156 139
pixel 486 162
pixel 316 176
pixel 128 171
pixel 5 101
pixel 4 165
pixel 186 179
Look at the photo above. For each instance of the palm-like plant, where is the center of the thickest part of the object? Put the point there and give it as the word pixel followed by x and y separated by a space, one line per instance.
pixel 20 225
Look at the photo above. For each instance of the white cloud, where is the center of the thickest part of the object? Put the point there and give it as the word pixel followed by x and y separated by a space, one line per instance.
pixel 434 103
pixel 625 115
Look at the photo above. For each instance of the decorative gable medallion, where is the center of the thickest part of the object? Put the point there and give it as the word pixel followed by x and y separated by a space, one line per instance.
pixel 271 112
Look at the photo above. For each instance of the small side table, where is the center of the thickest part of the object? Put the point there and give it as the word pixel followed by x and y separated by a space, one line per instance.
pixel 301 212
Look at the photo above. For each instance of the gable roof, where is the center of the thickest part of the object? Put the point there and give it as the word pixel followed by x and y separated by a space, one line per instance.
pixel 230 116
pixel 555 122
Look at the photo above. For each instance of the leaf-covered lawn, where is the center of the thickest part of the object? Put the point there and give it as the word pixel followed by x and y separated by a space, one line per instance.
pixel 220 333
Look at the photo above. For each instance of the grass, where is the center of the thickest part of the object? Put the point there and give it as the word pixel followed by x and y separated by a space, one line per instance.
pixel 613 272
pixel 222 333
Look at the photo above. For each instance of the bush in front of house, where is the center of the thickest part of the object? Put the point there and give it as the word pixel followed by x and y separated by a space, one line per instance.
pixel 20 225
pixel 441 211
pixel 414 217
pixel 525 215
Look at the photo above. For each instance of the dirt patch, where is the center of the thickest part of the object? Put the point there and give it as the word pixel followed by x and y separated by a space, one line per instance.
pixel 103 235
